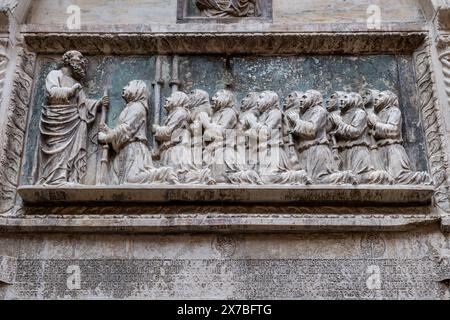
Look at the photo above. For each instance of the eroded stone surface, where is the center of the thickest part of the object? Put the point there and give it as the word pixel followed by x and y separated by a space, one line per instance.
pixel 308 266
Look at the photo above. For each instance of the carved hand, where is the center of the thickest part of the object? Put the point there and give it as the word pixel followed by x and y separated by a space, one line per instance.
pixel 204 119
pixel 247 124
pixel 335 119
pixel 75 89
pixel 155 128
pixel 105 102
pixel 372 120
pixel 102 137
pixel 292 117
pixel 104 128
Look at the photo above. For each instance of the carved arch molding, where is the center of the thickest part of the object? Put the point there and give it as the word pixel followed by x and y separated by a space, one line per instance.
pixel 179 217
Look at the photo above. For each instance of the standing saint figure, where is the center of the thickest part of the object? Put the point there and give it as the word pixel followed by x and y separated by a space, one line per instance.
pixel 176 144
pixel 132 163
pixel 310 131
pixel 352 135
pixel 62 154
pixel 386 124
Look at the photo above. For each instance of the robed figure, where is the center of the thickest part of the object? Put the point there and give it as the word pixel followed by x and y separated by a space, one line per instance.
pixel 62 150
pixel 132 162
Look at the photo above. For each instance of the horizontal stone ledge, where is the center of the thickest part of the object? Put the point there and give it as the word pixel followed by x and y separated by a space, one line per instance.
pixel 314 195
pixel 227 43
pixel 216 27
pixel 169 224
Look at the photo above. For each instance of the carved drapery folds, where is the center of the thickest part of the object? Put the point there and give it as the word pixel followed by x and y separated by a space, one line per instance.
pixel 353 140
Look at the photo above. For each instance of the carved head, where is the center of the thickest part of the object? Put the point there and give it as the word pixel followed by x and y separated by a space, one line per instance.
pixel 199 102
pixel 268 100
pixel 176 99
pixel 349 101
pixel 223 99
pixel 310 99
pixel 369 98
pixel 136 91
pixel 333 102
pixel 293 100
pixel 385 99
pixel 77 64
pixel 250 101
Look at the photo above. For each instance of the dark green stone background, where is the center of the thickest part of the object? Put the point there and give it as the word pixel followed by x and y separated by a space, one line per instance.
pixel 242 74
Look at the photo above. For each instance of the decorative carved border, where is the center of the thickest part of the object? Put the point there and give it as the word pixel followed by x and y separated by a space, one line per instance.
pixel 227 43
pixel 433 128
pixel 12 140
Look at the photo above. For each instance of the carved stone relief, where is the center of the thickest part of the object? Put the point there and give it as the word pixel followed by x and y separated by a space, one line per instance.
pixel 215 141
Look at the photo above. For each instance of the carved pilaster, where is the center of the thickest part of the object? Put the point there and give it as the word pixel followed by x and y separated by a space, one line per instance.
pixel 13 137
pixel 432 124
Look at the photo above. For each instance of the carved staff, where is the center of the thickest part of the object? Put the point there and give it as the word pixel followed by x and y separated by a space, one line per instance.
pixel 335 147
pixel 105 147
pixel 175 82
pixel 157 86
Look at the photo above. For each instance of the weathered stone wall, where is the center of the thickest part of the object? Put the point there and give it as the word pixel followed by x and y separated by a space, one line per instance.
pixel 104 12
pixel 123 251
pixel 404 265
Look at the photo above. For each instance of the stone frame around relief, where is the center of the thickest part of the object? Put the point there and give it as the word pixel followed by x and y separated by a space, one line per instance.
pixel 206 218
pixel 184 17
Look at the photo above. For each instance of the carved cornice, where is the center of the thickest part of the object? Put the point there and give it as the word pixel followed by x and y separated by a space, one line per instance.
pixel 226 43
pixel 178 218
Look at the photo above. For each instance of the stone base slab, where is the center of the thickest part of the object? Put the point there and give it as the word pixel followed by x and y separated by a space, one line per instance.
pixel 348 195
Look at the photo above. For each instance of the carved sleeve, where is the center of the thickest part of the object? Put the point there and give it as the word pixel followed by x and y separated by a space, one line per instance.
pixel 273 121
pixel 353 130
pixel 390 129
pixel 308 129
pixel 175 121
pixel 54 89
